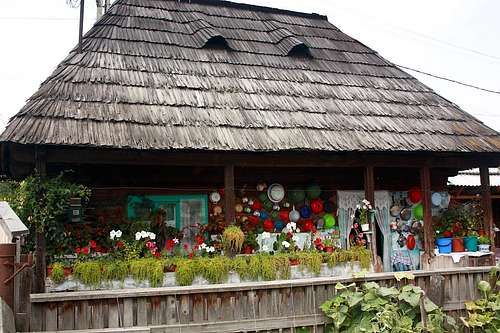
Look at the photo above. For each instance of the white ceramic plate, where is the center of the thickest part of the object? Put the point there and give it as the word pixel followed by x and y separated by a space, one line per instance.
pixel 276 193
pixel 436 199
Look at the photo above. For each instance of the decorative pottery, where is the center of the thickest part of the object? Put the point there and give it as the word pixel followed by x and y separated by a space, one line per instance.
pixel 320 223
pixel 418 212
pixel 263 215
pixel 411 242
pixel 414 195
pixel 294 215
pixel 215 197
pixel 313 191
pixel 457 245
pixel 276 193
pixel 296 195
pixel 268 225
pixel 283 215
pixel 275 215
pixel 238 208
pixel 329 221
pixel 256 205
pixel 244 200
pixel 253 220
pixel 276 207
pixel 445 200
pixel 436 199
pixel 247 210
pixel 305 212
pixel 267 204
pixel 484 248
pixel 279 225
pixel 317 206
pixel 308 226
pixel 256 213
pixel 217 210
pixel 263 197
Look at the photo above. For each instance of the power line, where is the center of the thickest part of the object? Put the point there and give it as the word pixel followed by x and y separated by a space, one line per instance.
pixel 450 80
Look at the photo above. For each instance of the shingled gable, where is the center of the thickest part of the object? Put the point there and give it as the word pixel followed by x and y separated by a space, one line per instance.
pixel 147 79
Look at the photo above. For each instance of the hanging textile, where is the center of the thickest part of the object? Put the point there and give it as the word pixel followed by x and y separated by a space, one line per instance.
pixel 347 202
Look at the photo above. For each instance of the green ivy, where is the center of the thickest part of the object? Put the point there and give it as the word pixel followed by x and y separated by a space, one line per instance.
pixel 57 274
pixel 483 315
pixel 88 272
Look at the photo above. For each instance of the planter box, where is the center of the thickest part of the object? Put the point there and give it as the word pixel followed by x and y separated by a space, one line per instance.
pixel 296 272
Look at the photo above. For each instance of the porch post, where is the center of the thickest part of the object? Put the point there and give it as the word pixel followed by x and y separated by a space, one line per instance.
pixel 40 243
pixel 425 184
pixel 486 202
pixel 229 196
pixel 370 196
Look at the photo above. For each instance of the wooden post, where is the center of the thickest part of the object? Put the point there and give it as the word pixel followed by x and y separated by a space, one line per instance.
pixel 425 185
pixel 229 196
pixel 80 28
pixel 40 244
pixel 370 196
pixel 486 202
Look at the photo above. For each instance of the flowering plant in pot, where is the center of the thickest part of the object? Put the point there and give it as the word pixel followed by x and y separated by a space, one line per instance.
pixel 328 245
pixel 250 244
pixel 363 213
pixel 484 244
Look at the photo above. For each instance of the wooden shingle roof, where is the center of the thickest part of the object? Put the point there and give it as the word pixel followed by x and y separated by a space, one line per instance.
pixel 146 80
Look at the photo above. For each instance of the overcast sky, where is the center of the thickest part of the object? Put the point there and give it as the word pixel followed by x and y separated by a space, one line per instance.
pixel 453 38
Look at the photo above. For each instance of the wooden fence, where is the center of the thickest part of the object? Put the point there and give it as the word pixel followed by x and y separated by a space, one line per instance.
pixel 271 306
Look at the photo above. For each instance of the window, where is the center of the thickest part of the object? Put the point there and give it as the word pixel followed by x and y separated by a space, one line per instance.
pixel 217 43
pixel 180 210
pixel 300 51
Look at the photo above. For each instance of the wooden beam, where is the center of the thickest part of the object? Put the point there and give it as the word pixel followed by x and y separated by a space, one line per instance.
pixel 425 185
pixel 370 184
pixel 486 202
pixel 369 181
pixel 40 243
pixel 229 195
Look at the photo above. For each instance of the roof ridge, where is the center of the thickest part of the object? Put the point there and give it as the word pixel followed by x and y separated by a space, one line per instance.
pixel 241 5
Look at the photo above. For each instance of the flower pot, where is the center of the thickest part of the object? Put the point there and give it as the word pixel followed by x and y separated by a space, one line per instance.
pixel 470 243
pixel 457 245
pixel 365 227
pixel 294 262
pixel 444 244
pixel 329 249
pixel 484 247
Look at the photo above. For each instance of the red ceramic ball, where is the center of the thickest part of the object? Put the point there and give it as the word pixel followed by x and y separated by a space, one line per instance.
pixel 415 195
pixel 257 205
pixel 317 206
pixel 284 215
pixel 308 225
pixel 411 242
pixel 253 220
pixel 268 225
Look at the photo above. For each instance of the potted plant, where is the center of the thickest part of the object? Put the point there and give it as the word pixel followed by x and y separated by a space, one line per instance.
pixel 484 244
pixel 328 245
pixel 470 241
pixel 250 244
pixel 457 243
pixel 364 214
pixel 232 240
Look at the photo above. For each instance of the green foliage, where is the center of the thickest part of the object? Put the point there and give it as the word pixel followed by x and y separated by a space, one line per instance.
pixel 41 204
pixel 215 269
pixel 57 274
pixel 310 260
pixel 240 265
pixel 483 315
pixel 353 254
pixel 232 239
pixel 115 270
pixel 148 269
pixel 186 272
pixel 88 272
pixel 371 308
pixel 484 240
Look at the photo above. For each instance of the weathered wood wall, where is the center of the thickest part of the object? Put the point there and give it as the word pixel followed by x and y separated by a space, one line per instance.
pixel 274 306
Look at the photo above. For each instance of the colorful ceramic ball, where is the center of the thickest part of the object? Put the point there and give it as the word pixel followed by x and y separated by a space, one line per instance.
pixel 264 215
pixel 294 216
pixel 411 242
pixel 415 195
pixel 418 212
pixel 329 221
pixel 253 220
pixel 267 204
pixel 283 215
pixel 274 215
pixel 317 206
pixel 263 197
pixel 296 195
pixel 279 225
pixel 256 205
pixel 259 229
pixel 305 212
pixel 308 226
pixel 313 191
pixel 268 225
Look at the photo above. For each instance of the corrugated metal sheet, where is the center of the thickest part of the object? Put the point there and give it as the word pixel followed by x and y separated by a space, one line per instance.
pixel 471 178
pixel 145 80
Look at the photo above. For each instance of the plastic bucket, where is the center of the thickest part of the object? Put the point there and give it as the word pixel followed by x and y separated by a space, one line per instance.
pixel 444 245
pixel 457 245
pixel 470 243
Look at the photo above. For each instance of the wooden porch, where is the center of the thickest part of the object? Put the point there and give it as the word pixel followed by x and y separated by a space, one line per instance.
pixel 270 306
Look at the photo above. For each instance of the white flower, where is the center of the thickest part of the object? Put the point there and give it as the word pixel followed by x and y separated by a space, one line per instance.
pixel 366 202
pixel 297 230
pixel 210 249
pixel 266 235
pixel 364 207
pixel 265 248
pixel 285 244
pixel 176 241
pixel 151 235
pixel 138 236
pixel 118 233
pixel 112 234
pixel 358 206
pixel 144 234
pixel 203 245
pixel 369 206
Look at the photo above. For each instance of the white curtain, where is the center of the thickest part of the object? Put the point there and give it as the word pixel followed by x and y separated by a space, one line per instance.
pixel 347 201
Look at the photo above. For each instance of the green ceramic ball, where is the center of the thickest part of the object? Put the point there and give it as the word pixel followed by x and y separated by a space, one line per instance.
pixel 418 212
pixel 313 191
pixel 296 195
pixel 329 221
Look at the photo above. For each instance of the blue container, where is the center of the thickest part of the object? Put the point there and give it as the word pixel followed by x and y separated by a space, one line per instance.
pixel 444 245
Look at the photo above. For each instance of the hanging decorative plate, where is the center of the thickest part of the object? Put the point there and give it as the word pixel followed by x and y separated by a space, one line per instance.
pixel 445 200
pixel 217 210
pixel 215 197
pixel 436 199
pixel 238 208
pixel 276 192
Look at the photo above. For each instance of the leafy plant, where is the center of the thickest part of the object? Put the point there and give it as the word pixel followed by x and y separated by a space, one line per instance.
pixel 149 269
pixel 88 272
pixel 232 240
pixel 483 315
pixel 57 274
pixel 372 308
pixel 484 240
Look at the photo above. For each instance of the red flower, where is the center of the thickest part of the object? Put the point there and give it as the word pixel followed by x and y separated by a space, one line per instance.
pixel 191 255
pixel 78 250
pixel 93 244
pixel 86 250
pixel 169 245
pixel 317 241
pixel 199 240
pixel 185 246
pixel 120 244
pixel 157 254
pixel 196 248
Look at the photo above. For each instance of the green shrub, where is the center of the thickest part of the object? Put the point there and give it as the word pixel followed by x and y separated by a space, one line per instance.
pixel 148 269
pixel 88 272
pixel 115 270
pixel 57 274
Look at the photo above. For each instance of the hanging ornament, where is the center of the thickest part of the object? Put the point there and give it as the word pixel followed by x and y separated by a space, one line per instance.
pixel 268 225
pixel 244 200
pixel 261 186
pixel 329 221
pixel 283 215
pixel 317 206
pixel 294 215
pixel 411 242
pixel 256 205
